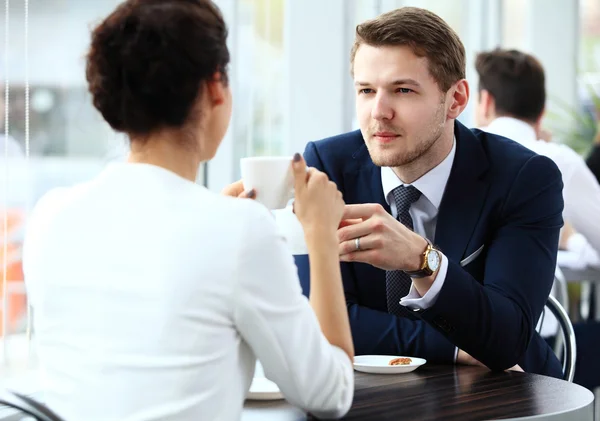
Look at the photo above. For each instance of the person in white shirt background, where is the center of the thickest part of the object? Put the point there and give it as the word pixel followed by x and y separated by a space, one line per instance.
pixel 152 296
pixel 512 98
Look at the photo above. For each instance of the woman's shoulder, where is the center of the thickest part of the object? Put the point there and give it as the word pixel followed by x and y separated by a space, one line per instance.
pixel 51 204
pixel 55 198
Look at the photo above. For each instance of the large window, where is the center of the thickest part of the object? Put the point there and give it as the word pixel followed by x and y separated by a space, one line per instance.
pixel 515 15
pixel 578 121
pixel 589 59
pixel 590 36
pixel 63 122
pixel 258 55
pixel 52 137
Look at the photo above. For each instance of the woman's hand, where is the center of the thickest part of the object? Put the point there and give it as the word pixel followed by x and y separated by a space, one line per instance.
pixel 318 203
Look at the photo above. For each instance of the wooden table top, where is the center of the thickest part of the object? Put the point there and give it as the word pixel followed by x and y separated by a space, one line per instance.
pixel 450 393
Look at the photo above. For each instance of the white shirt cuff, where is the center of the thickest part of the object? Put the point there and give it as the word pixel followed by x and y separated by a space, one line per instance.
pixel 414 300
pixel 455 354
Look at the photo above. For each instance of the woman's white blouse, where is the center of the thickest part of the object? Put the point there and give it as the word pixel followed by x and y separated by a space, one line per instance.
pixel 153 297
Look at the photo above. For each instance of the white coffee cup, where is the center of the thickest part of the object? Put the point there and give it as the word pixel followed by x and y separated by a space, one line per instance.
pixel 271 177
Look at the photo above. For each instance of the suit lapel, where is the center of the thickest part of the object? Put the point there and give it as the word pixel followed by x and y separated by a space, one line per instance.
pixel 464 196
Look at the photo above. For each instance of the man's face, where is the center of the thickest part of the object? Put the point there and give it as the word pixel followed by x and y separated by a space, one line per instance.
pixel 400 108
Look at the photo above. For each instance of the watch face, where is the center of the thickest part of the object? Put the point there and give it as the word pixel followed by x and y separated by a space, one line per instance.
pixel 433 260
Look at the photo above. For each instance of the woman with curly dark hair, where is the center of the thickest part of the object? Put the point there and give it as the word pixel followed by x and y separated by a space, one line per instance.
pixel 152 296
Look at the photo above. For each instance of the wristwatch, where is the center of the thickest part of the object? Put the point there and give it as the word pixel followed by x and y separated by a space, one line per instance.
pixel 432 259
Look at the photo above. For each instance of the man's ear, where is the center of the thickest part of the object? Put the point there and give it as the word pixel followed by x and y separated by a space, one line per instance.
pixel 460 98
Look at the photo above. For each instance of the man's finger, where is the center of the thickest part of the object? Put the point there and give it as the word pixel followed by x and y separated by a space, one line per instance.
pixel 363 211
pixel 353 231
pixel 368 242
pixel 348 222
pixel 363 256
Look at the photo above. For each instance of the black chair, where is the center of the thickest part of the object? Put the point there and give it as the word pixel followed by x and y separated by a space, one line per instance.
pixel 27 406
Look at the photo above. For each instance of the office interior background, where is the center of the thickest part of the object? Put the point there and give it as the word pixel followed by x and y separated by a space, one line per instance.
pixel 291 84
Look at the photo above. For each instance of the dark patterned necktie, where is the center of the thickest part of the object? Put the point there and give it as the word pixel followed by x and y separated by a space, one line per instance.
pixel 397 283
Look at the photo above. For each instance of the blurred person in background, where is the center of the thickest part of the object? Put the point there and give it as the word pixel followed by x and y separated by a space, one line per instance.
pixel 512 98
pixel 511 103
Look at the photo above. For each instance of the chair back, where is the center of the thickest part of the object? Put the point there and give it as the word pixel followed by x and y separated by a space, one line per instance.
pixel 27 405
pixel 568 337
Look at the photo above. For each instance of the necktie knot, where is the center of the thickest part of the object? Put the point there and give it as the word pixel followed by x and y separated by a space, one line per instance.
pixel 404 197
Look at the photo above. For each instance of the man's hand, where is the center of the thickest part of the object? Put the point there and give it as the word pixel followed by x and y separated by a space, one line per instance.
pixel 465 359
pixel 237 190
pixel 384 242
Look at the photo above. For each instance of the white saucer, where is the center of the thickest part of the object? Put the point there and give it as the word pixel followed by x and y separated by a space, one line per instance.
pixel 379 364
pixel 263 389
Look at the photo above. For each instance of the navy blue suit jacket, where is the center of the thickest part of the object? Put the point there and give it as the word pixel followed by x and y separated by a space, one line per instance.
pixel 499 195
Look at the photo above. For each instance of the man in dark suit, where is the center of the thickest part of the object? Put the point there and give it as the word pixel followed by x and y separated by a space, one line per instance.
pixel 450 237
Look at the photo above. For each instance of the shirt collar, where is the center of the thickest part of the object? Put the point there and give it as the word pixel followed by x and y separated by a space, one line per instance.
pixel 431 185
pixel 512 128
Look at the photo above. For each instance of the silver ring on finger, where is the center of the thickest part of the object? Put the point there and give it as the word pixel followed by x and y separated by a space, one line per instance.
pixel 357 243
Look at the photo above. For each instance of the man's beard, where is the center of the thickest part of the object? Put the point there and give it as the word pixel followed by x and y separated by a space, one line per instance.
pixel 399 158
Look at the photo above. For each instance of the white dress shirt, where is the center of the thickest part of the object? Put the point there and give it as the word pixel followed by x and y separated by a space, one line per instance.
pixel 424 215
pixel 152 298
pixel 581 191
